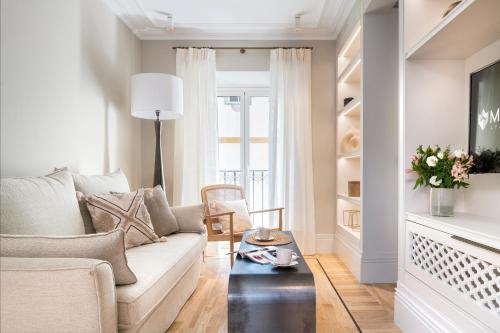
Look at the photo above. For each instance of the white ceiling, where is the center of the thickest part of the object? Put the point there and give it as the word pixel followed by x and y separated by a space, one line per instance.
pixel 233 19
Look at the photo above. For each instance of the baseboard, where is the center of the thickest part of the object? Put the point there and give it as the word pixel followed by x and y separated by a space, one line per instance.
pixel 418 309
pixel 350 255
pixel 325 243
pixel 379 270
pixel 410 313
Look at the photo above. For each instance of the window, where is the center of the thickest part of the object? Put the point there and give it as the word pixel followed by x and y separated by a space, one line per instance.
pixel 243 125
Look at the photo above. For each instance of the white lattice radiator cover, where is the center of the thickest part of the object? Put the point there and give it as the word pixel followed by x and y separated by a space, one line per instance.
pixel 466 274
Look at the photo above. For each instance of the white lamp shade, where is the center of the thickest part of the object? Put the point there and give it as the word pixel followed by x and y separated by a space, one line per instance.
pixel 151 92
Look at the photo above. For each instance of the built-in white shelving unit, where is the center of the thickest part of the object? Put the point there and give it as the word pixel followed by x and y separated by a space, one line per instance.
pixel 469 27
pixel 437 56
pixel 348 119
pixel 353 108
pixel 352 154
pixel 354 200
pixel 367 73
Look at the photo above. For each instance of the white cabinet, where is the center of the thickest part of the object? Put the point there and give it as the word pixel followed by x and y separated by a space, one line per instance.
pixel 459 259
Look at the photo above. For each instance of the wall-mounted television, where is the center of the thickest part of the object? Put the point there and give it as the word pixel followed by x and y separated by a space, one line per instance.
pixel 484 122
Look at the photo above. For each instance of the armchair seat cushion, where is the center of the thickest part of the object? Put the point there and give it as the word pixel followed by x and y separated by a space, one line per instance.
pixel 158 267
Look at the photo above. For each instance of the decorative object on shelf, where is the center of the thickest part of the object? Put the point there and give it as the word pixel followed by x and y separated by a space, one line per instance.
pixel 451 7
pixel 352 220
pixel 353 188
pixel 350 141
pixel 157 97
pixel 442 171
pixel 348 100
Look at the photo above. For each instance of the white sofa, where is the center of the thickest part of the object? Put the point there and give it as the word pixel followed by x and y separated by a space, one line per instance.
pixel 79 295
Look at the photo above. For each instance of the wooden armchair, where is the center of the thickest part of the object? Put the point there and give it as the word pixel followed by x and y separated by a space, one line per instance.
pixel 228 192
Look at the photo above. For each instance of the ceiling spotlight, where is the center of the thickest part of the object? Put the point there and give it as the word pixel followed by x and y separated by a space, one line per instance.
pixel 170 23
pixel 297 22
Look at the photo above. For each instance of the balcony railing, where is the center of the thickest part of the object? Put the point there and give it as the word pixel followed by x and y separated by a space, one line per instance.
pixel 257 186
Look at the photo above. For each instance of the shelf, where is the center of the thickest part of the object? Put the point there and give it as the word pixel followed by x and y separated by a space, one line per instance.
pixel 352 109
pixel 353 45
pixel 352 73
pixel 468 28
pixel 484 230
pixel 353 200
pixel 353 154
pixel 356 233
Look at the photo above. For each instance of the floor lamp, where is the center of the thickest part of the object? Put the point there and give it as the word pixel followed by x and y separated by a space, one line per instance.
pixel 157 97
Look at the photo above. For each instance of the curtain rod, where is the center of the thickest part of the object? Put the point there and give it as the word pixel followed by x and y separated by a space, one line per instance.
pixel 241 48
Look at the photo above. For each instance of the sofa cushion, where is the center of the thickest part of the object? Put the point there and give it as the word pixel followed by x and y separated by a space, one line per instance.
pixel 84 211
pixel 190 218
pixel 106 246
pixel 126 211
pixel 40 206
pixel 164 221
pixel 158 267
pixel 101 184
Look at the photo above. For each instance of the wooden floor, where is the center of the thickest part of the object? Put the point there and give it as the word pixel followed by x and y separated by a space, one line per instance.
pixel 370 305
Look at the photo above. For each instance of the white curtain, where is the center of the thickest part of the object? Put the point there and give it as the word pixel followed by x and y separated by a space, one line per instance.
pixel 291 156
pixel 195 163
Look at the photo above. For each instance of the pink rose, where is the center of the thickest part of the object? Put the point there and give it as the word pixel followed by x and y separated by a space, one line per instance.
pixel 413 158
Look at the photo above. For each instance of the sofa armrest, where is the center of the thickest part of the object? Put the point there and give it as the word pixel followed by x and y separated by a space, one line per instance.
pixel 57 295
pixel 190 218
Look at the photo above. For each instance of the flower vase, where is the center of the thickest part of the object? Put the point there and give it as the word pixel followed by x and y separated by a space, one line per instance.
pixel 442 201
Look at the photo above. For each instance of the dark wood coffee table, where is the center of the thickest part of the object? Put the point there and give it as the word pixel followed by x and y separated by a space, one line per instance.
pixel 262 298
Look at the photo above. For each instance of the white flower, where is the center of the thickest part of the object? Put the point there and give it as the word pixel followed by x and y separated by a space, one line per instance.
pixel 434 181
pixel 440 155
pixel 431 161
pixel 459 153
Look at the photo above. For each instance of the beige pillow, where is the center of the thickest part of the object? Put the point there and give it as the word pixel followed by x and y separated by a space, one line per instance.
pixel 241 218
pixel 163 219
pixel 107 246
pixel 126 211
pixel 40 206
pixel 190 218
pixel 101 184
pixel 84 211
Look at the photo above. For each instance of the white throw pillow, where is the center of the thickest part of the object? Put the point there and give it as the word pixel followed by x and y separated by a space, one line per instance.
pixel 241 218
pixel 40 206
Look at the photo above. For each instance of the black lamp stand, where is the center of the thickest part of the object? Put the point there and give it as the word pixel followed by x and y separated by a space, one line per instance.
pixel 158 175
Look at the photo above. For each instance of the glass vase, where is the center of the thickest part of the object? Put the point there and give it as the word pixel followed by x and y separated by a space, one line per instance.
pixel 442 201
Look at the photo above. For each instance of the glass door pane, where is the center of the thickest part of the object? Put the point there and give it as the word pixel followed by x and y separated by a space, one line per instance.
pixel 258 153
pixel 230 147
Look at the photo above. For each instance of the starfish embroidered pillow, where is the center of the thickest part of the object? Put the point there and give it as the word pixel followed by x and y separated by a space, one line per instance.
pixel 125 211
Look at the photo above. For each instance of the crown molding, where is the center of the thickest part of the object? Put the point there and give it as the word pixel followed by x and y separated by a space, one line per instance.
pixel 342 11
pixel 224 35
pixel 146 27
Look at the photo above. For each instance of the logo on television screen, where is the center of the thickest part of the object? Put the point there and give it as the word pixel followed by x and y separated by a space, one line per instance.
pixel 488 117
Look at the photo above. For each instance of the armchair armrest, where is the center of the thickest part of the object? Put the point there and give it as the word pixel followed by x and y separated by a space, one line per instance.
pixel 57 295
pixel 208 221
pixel 211 216
pixel 265 210
pixel 280 214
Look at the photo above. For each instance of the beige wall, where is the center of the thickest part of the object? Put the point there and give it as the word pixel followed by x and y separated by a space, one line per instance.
pixel 65 69
pixel 158 56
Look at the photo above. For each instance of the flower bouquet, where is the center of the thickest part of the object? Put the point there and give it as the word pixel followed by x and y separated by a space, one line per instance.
pixel 442 171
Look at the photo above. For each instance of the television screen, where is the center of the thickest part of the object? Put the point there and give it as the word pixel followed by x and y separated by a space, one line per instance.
pixel 484 125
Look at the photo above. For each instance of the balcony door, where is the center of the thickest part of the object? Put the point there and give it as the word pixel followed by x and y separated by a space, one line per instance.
pixel 243 127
